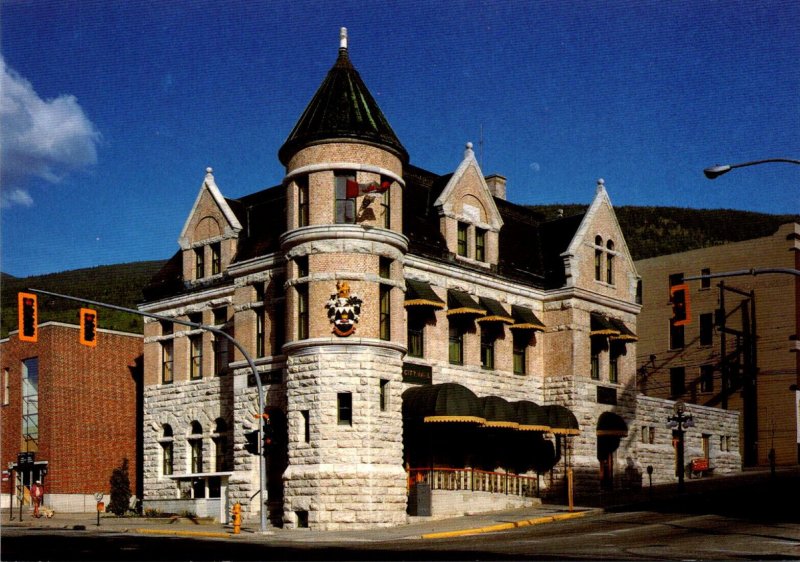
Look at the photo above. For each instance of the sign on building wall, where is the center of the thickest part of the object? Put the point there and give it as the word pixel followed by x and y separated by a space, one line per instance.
pixel 417 374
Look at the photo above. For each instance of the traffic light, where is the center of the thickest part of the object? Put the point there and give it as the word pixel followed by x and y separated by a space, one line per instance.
pixel 679 298
pixel 28 317
pixel 251 442
pixel 88 325
pixel 269 436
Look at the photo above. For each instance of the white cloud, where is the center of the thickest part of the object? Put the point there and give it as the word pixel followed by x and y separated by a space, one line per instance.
pixel 39 138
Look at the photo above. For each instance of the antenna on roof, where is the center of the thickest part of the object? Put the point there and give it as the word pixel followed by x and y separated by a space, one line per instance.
pixel 343 39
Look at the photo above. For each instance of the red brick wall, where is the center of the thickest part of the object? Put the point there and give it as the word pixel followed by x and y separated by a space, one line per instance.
pixel 87 406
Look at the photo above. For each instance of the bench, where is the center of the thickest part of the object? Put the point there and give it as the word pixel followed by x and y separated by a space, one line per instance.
pixel 699 466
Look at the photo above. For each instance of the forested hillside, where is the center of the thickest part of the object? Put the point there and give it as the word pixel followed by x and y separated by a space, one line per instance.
pixel 649 231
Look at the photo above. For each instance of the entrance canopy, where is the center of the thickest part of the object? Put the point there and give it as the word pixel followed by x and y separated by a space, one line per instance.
pixel 610 424
pixel 448 402
pixel 561 420
pixel 531 416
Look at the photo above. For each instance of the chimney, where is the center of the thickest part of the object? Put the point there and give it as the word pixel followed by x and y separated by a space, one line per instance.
pixel 497 185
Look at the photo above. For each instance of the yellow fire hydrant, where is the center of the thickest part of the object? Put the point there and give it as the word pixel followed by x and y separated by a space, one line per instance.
pixel 237 518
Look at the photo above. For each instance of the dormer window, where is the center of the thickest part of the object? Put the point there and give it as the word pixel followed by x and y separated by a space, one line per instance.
pixel 610 263
pixel 598 258
pixel 216 258
pixel 463 230
pixel 480 244
pixel 199 263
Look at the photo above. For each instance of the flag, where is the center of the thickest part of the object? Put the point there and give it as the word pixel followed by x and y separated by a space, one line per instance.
pixel 353 189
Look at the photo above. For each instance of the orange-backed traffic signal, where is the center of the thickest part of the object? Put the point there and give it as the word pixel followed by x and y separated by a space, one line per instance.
pixel 88 324
pixel 679 297
pixel 28 317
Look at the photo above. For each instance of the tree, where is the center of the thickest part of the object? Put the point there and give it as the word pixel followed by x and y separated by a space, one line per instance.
pixel 120 490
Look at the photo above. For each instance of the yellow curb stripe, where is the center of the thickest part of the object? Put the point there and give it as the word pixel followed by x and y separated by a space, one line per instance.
pixel 184 533
pixel 506 526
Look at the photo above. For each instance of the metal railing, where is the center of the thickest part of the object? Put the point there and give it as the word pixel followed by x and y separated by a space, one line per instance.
pixel 474 480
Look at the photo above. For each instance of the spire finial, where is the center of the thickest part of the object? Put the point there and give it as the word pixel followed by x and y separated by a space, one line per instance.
pixel 468 150
pixel 209 171
pixel 601 185
pixel 343 38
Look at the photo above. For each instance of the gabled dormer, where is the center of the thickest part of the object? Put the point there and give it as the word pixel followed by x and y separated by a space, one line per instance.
pixel 209 236
pixel 469 219
pixel 597 258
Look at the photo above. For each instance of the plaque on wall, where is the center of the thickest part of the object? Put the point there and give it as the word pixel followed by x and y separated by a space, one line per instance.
pixel 417 374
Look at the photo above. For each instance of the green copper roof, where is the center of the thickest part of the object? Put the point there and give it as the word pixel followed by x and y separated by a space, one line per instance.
pixel 342 109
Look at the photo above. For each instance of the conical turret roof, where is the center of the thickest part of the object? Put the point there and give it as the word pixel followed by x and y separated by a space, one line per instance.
pixel 342 109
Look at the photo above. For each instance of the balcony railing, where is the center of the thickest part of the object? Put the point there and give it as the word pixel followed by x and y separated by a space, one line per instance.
pixel 474 480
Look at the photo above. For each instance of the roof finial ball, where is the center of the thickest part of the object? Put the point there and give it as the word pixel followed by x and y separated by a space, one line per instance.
pixel 343 38
pixel 467 149
pixel 601 185
pixel 209 170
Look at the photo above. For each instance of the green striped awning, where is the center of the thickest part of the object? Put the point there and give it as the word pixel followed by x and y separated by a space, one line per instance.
pixel 561 420
pixel 419 293
pixel 525 319
pixel 531 416
pixel 459 302
pixel 624 332
pixel 494 312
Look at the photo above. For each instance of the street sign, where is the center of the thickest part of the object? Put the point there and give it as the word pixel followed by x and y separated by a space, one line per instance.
pixel 27 458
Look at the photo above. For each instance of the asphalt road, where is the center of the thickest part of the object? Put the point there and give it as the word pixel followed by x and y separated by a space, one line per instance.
pixel 631 535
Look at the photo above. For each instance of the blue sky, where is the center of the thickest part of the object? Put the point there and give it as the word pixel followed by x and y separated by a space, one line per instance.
pixel 111 110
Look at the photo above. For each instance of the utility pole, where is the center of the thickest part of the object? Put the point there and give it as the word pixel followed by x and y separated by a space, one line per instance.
pixel 262 473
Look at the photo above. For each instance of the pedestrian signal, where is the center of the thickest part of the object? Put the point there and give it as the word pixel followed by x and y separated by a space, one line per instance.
pixel 88 325
pixel 28 317
pixel 679 298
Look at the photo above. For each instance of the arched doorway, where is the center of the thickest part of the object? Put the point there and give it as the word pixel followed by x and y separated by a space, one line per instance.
pixel 610 429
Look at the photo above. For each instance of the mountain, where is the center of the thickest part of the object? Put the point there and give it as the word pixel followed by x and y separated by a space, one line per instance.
pixel 649 232
pixel 119 284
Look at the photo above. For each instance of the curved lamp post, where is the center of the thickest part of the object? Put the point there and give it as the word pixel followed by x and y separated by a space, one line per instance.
pixel 680 422
pixel 715 171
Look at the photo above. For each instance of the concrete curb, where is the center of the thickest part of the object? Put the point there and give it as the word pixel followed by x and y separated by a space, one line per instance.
pixel 506 526
pixel 207 534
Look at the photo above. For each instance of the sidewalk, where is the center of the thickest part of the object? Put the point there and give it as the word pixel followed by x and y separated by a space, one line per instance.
pixel 428 530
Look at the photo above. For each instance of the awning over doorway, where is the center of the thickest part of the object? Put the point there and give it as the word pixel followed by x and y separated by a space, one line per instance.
pixel 624 333
pixel 459 302
pixel 561 420
pixel 611 424
pixel 494 312
pixel 441 403
pixel 602 326
pixel 419 293
pixel 525 319
pixel 531 416
pixel 498 412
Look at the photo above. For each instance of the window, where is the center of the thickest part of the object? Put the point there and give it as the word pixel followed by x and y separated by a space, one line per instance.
pixel 676 336
pixel 221 446
pixel 386 313
pixel 302 312
pixel 521 339
pixel 462 239
pixel 259 288
pixel 166 362
pixel 302 266
pixel 706 378
pixel 416 334
pixel 384 396
pixel 724 443
pixel 167 450
pixel 706 328
pixel 456 345
pixel 220 355
pixel 480 244
pixel 196 446
pixel 675 279
pixel 302 201
pixel 278 325
pixel 597 346
pixel 386 204
pixel 639 291
pixel 345 207
pixel 260 332
pixel 196 359
pixel 199 263
pixel 220 316
pixel 488 336
pixel 30 403
pixel 616 350
pixel 306 425
pixel 645 434
pixel 706 282
pixel 598 258
pixel 385 268
pixel 706 446
pixel 6 387
pixel 344 405
pixel 167 328
pixel 216 258
pixel 610 263
pixel 677 381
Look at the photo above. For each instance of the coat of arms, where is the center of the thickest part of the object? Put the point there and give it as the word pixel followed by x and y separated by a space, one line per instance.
pixel 343 310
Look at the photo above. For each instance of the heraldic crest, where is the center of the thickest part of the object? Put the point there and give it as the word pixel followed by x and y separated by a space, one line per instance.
pixel 343 310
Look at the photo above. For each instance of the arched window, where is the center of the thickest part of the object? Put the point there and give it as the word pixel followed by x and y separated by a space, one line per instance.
pixel 598 258
pixel 167 456
pixel 196 446
pixel 220 439
pixel 610 263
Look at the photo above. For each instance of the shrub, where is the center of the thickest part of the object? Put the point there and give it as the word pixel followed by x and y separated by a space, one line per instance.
pixel 120 490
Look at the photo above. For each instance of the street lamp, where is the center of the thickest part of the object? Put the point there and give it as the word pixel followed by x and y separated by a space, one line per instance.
pixel 716 171
pixel 679 423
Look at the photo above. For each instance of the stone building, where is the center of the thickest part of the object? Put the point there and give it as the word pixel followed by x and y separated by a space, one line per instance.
pixel 76 409
pixel 410 329
pixel 739 351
